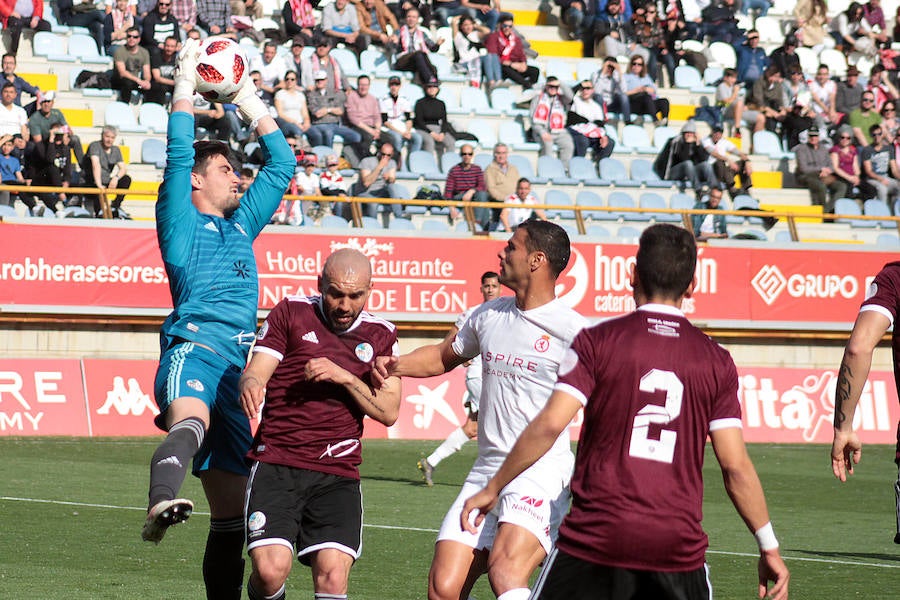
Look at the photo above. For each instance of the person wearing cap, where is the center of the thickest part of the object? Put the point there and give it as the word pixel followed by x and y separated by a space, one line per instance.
pixel 785 56
pixel 326 113
pixel 321 61
pixel 414 45
pixel 299 21
pixel 814 171
pixel 727 160
pixel 684 160
pixel 272 69
pixel 549 111
pixel 396 114
pixel 430 120
pixel 863 118
pixel 751 59
pixel 340 23
pixel 40 122
pixel 849 93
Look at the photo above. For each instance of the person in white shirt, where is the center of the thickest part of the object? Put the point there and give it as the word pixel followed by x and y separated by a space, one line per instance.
pixel 396 116
pixel 512 216
pixel 521 340
pixel 727 160
pixel 824 93
pixel 272 69
pixel 13 119
pixel 490 289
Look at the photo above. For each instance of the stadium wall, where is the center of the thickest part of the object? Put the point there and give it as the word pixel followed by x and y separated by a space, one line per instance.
pixel 80 308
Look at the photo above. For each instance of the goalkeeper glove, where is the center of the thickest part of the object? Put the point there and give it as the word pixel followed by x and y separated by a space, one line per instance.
pixel 186 72
pixel 251 106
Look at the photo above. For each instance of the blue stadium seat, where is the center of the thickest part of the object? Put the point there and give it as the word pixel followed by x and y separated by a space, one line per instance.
pixel 589 198
pixel 654 200
pixel 613 170
pixel 423 163
pixel 511 133
pixel 435 225
pixel 334 222
pixel 122 116
pixel 623 200
pixel 154 117
pixel 642 170
pixel 153 152
pixel 552 169
pixel 628 234
pixel 504 100
pixel 598 231
pixel 401 224
pixel 51 46
pixel 444 68
pixel 84 48
pixel 583 169
pixel 559 198
pixel 636 138
pixel 877 208
pixel 347 60
pixel 371 223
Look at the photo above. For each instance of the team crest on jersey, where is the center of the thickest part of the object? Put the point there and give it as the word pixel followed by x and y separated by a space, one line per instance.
pixel 195 385
pixel 263 330
pixel 873 289
pixel 256 521
pixel 365 352
pixel 542 344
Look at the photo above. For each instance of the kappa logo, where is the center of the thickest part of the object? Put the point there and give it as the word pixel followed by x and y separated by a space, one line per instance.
pixel 532 501
pixel 311 337
pixel 127 400
pixel 769 282
pixel 542 344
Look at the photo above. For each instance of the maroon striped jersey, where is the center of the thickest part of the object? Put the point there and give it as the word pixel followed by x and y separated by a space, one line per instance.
pixel 653 386
pixel 883 296
pixel 315 425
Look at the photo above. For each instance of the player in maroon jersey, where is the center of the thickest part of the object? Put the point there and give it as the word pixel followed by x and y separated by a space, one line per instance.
pixel 876 316
pixel 653 387
pixel 312 364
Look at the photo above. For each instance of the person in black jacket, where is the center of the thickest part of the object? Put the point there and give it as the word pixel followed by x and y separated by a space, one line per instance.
pixel 84 15
pixel 430 120
pixel 683 159
pixel 157 26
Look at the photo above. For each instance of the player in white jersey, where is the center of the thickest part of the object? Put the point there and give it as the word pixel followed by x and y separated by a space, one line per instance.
pixel 521 340
pixel 490 289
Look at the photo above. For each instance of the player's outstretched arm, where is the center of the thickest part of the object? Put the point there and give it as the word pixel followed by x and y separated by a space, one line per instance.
pixel 746 493
pixel 534 442
pixel 846 449
pixel 382 404
pixel 252 386
pixel 426 361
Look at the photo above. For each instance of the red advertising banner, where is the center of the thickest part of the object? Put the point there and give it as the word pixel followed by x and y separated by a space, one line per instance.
pixel 415 278
pixel 47 397
pixel 120 397
pixel 42 397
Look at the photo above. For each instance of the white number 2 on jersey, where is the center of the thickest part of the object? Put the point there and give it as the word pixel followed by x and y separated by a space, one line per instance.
pixel 663 449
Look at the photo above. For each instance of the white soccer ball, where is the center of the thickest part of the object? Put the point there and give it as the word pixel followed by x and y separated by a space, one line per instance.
pixel 222 69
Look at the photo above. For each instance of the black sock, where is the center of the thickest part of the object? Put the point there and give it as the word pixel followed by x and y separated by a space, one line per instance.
pixel 254 595
pixel 223 562
pixel 171 459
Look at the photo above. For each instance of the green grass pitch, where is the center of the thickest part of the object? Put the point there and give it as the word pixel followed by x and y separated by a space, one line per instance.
pixel 71 511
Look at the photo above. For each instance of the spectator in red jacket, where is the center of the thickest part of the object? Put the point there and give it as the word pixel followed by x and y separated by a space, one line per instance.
pixel 27 17
pixel 509 49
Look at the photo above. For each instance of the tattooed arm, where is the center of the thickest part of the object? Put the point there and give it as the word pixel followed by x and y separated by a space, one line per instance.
pixel 382 404
pixel 846 448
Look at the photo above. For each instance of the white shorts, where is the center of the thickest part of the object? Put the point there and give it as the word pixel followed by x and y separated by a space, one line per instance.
pixel 528 502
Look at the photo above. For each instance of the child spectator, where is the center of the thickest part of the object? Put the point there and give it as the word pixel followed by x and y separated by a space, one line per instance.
pixel 10 169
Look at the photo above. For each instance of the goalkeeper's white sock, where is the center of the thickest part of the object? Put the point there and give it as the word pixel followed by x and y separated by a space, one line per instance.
pixel 451 445
pixel 515 594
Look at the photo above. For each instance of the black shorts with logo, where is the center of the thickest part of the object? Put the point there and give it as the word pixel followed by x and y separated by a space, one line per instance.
pixel 305 509
pixel 565 577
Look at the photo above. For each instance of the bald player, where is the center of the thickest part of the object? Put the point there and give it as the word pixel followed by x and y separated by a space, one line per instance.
pixel 312 364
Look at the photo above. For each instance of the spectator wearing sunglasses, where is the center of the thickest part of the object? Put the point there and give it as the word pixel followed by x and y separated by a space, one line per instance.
pixel 549 113
pixel 465 181
pixel 159 24
pixel 131 68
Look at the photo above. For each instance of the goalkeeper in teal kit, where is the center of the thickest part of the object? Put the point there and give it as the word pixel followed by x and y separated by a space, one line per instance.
pixel 205 235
